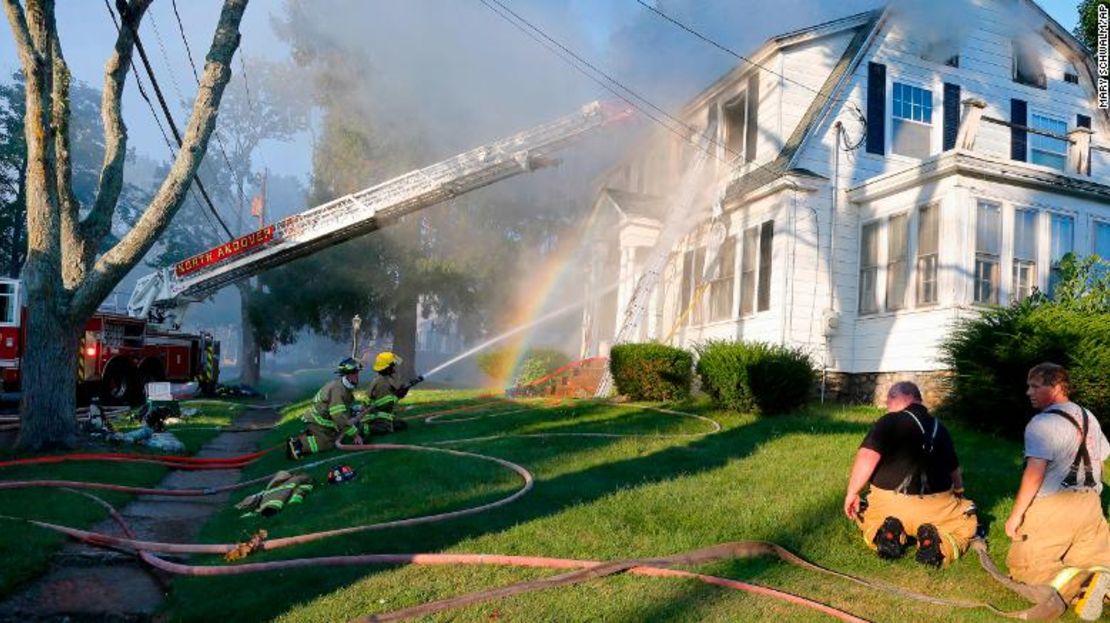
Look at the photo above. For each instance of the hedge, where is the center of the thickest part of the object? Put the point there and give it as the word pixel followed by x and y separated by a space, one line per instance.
pixel 992 354
pixel 651 371
pixel 755 376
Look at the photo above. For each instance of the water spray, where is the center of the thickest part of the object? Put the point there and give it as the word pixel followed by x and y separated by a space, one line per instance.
pixel 511 332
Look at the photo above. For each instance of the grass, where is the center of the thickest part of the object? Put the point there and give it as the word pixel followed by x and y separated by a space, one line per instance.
pixel 26 550
pixel 779 479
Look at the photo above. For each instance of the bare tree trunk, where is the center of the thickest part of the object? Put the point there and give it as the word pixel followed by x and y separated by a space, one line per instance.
pixel 250 355
pixel 19 227
pixel 49 379
pixel 404 332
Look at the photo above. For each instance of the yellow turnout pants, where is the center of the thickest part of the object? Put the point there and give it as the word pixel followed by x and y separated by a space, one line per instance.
pixel 944 510
pixel 1062 538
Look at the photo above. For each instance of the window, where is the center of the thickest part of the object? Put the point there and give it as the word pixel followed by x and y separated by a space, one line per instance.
pixel 1024 273
pixel 928 246
pixel 693 267
pixel 1062 236
pixel 897 251
pixel 869 268
pixel 9 303
pixel 766 245
pixel 720 288
pixel 911 123
pixel 736 117
pixel 1102 240
pixel 1051 152
pixel 748 270
pixel 988 242
pixel 1027 67
pixel 944 51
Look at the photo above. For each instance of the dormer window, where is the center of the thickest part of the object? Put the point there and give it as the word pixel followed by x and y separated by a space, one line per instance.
pixel 735 113
pixel 911 124
pixel 942 52
pixel 1071 76
pixel 1027 66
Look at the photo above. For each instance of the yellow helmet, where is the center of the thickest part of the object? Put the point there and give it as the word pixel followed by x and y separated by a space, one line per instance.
pixel 384 360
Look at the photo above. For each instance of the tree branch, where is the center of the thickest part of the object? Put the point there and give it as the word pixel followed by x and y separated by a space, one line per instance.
pixel 114 264
pixel 20 32
pixel 98 222
pixel 73 267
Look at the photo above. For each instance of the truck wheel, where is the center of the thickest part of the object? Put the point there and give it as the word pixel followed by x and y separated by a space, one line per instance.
pixel 121 387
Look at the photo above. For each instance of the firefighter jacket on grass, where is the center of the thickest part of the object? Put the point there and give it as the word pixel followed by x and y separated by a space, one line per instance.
pixel 284 489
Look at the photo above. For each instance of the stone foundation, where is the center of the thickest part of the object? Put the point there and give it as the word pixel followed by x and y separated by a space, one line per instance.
pixel 871 387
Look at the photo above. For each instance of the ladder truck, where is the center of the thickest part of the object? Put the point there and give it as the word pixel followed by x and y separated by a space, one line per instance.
pixel 121 352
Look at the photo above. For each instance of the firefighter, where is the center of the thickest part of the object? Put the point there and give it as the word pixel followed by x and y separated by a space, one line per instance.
pixel 385 390
pixel 334 414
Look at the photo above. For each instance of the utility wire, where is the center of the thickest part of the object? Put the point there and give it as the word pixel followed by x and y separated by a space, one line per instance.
pixel 158 120
pixel 733 53
pixel 608 83
pixel 168 115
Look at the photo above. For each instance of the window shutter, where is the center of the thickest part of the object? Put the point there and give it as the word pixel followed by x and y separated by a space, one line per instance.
pixel 1083 121
pixel 951 114
pixel 1018 137
pixel 876 108
pixel 752 131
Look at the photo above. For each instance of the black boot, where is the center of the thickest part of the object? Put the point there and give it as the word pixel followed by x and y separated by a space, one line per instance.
pixel 891 539
pixel 928 546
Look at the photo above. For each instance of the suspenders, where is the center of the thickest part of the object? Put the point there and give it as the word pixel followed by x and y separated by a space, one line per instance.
pixel 1082 457
pixel 928 442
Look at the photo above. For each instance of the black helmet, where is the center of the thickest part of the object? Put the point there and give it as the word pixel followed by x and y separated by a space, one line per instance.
pixel 348 366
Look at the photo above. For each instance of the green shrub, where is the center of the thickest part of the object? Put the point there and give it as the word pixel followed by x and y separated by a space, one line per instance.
pixel 990 356
pixel 651 371
pixel 755 376
pixel 495 363
pixel 539 362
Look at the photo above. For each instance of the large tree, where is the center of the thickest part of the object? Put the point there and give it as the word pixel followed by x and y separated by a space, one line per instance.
pixel 1087 28
pixel 65 274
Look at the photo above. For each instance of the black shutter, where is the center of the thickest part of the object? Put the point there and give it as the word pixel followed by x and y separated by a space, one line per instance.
pixel 876 108
pixel 1018 136
pixel 951 114
pixel 752 132
pixel 1083 121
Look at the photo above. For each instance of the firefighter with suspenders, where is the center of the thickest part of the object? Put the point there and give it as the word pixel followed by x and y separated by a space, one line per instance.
pixel 334 414
pixel 385 391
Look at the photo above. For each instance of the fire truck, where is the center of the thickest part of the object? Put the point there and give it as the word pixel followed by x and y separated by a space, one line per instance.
pixel 120 352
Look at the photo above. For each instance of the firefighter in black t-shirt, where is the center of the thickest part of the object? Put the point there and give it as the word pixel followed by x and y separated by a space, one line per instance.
pixel 916 489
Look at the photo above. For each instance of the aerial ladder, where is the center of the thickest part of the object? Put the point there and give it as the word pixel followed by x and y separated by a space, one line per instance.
pixel 163 296
pixel 676 225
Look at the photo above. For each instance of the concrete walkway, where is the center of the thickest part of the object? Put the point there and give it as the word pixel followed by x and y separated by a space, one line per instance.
pixel 88 583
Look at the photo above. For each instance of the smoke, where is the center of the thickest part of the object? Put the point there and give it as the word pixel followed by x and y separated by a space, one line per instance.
pixel 438 77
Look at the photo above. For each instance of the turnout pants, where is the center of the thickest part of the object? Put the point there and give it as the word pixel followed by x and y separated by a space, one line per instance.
pixel 1062 538
pixel 947 512
pixel 317 438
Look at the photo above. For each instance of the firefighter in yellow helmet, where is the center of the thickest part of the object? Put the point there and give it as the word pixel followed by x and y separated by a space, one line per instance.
pixel 334 414
pixel 385 390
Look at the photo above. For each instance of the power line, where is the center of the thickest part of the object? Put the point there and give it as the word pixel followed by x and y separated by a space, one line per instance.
pixel 166 112
pixel 157 119
pixel 732 52
pixel 521 22
pixel 196 77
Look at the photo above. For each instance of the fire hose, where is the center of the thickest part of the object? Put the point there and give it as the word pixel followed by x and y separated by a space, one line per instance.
pixel 1047 602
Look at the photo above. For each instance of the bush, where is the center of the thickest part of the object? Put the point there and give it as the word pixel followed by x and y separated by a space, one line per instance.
pixel 495 363
pixel 539 362
pixel 651 371
pixel 990 356
pixel 755 376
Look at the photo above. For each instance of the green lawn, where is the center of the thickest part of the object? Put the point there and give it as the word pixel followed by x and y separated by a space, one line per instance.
pixel 778 479
pixel 25 550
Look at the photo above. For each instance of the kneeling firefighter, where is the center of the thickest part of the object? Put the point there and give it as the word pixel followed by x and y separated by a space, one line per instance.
pixel 334 414
pixel 385 390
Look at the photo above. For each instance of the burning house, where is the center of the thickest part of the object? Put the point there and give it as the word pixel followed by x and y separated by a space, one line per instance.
pixel 873 179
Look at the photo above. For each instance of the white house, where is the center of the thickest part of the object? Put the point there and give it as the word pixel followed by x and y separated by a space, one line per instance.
pixel 886 174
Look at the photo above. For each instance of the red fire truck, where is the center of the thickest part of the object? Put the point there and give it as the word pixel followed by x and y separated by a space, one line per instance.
pixel 118 354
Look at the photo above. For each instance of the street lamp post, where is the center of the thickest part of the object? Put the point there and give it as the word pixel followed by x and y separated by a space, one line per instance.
pixel 356 322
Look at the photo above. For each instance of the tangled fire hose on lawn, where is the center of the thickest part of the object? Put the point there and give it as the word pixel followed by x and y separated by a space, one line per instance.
pixel 1048 603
